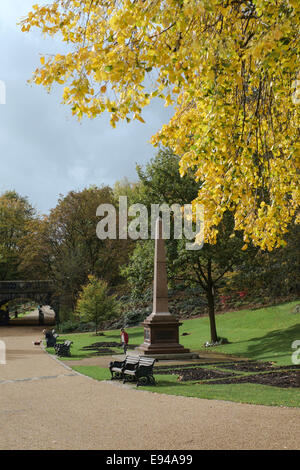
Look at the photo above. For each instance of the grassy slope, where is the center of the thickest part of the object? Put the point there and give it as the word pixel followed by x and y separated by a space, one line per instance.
pixel 264 334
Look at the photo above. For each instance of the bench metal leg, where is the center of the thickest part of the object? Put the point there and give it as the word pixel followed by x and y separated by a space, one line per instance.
pixel 146 380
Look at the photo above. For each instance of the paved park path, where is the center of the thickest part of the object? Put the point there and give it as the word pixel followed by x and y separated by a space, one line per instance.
pixel 32 318
pixel 44 405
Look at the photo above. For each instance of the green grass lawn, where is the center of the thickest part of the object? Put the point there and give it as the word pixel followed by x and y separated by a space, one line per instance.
pixel 264 334
pixel 241 393
pixel 86 339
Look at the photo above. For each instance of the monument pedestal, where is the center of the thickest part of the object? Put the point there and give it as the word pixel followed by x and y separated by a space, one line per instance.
pixel 161 335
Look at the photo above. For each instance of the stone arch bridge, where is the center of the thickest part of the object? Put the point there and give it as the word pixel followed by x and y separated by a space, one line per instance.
pixel 42 292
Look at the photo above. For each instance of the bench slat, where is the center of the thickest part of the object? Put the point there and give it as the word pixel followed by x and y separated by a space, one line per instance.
pixel 147 361
pixel 131 361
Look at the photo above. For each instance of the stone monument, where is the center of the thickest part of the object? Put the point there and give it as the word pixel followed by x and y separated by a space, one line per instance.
pixel 161 328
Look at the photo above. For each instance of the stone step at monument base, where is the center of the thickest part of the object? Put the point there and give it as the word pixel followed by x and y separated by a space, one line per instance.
pixel 162 357
pixel 159 354
pixel 173 356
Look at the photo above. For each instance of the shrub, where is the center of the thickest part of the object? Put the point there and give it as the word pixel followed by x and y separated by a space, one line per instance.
pixel 136 316
pixel 67 327
pixel 71 326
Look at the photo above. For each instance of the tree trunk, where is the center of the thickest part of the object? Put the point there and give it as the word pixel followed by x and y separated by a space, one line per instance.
pixel 211 312
pixel 96 317
pixel 211 305
pixel 57 317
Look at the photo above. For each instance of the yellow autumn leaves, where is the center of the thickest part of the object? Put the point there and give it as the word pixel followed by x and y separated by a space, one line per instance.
pixel 228 68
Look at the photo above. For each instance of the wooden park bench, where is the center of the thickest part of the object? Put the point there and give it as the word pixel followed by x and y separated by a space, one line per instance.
pixel 117 367
pixel 144 371
pixel 134 368
pixel 63 349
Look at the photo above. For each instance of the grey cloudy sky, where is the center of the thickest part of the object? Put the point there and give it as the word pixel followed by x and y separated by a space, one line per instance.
pixel 44 151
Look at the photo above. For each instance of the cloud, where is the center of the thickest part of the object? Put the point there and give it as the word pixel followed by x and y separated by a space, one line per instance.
pixel 44 151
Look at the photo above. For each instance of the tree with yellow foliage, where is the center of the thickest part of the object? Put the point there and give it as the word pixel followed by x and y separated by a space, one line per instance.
pixel 229 67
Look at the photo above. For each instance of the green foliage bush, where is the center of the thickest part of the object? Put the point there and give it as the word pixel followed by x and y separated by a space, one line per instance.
pixel 66 314
pixel 71 326
pixel 133 316
pixel 67 327
pixel 136 316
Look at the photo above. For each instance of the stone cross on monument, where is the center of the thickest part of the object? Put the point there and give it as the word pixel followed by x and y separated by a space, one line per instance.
pixel 161 328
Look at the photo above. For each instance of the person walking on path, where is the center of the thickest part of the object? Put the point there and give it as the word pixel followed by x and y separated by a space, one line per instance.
pixel 124 340
pixel 41 316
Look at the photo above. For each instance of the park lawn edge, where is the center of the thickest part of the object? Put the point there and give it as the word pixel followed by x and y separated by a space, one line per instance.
pixel 248 393
pixel 264 334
